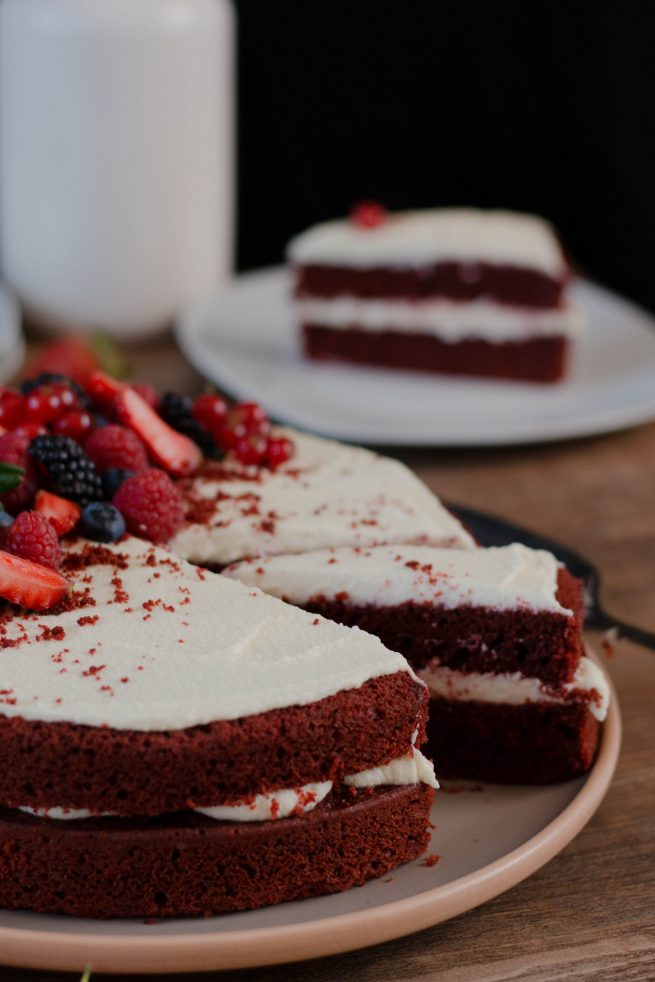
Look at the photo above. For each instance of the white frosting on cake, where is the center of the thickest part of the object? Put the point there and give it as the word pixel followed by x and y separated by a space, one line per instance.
pixel 422 238
pixel 169 646
pixel 514 689
pixel 328 494
pixel 448 320
pixel 413 768
pixel 503 578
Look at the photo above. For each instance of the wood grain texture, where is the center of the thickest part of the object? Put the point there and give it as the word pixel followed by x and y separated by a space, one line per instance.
pixel 590 913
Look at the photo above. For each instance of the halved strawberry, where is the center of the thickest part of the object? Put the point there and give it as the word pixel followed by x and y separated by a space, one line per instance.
pixel 29 584
pixel 102 388
pixel 60 512
pixel 171 450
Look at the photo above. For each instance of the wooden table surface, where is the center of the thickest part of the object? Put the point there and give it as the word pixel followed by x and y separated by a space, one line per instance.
pixel 590 913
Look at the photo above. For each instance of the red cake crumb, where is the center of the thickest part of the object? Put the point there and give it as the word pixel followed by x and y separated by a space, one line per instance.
pixel 431 860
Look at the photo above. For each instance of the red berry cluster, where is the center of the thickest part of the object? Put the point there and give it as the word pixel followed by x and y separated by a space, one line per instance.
pixel 244 430
pixel 128 450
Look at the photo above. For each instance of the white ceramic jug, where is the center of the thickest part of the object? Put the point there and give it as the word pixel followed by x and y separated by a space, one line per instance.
pixel 116 156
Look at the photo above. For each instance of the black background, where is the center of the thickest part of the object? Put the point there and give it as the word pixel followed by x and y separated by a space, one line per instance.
pixel 546 107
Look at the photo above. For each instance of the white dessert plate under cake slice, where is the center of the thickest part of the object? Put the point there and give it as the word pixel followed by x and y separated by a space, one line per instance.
pixel 244 340
pixel 488 838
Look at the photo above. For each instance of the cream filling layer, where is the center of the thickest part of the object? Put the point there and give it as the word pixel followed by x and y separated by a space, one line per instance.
pixel 448 320
pixel 413 768
pixel 514 689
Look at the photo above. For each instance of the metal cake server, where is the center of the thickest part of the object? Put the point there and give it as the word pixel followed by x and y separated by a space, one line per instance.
pixel 492 531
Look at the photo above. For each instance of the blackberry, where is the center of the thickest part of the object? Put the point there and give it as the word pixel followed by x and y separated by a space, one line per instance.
pixel 175 410
pixel 101 522
pixel 55 378
pixel 67 470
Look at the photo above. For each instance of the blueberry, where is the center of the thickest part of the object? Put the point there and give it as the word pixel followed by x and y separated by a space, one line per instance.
pixel 112 480
pixel 99 422
pixel 5 519
pixel 101 522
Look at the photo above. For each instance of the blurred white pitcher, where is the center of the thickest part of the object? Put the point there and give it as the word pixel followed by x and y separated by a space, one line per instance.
pixel 116 157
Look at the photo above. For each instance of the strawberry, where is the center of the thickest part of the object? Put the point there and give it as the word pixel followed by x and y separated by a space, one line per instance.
pixel 171 450
pixel 61 513
pixel 73 356
pixel 30 585
pixel 102 388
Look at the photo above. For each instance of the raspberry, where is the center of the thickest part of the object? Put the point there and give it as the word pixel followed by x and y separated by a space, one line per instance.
pixel 13 450
pixel 116 447
pixel 12 409
pixel 33 537
pixel 151 505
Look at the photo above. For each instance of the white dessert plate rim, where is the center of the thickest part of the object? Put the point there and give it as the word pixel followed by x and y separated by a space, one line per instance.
pixel 116 950
pixel 243 339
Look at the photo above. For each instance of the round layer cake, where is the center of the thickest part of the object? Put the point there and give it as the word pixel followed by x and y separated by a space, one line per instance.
pixel 175 743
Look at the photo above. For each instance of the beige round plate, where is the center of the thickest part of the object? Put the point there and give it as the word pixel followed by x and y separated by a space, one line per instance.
pixel 488 839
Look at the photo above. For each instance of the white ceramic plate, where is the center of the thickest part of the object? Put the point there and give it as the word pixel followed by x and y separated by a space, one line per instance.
pixel 244 340
pixel 12 344
pixel 489 838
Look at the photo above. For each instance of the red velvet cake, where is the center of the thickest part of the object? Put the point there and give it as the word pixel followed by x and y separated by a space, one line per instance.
pixel 455 291
pixel 176 743
pixel 327 494
pixel 495 633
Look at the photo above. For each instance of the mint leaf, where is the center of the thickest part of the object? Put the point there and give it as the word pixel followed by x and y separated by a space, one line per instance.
pixel 10 476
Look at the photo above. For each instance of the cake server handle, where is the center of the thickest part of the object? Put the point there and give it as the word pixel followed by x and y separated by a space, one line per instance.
pixel 600 621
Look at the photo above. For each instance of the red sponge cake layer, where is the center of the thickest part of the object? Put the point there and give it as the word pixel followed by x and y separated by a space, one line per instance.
pixel 538 359
pixel 188 865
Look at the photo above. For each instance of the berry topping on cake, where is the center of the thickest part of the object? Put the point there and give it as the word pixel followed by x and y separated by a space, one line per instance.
pixel 278 451
pixel 66 469
pixel 102 388
pixel 180 413
pixel 102 522
pixel 33 537
pixel 210 410
pixel 77 424
pixel 151 505
pixel 251 449
pixel 62 514
pixel 113 478
pixel 14 450
pixel 171 450
pixel 30 584
pixel 115 446
pixel 12 409
pixel 368 214
pixel 147 392
pixel 73 356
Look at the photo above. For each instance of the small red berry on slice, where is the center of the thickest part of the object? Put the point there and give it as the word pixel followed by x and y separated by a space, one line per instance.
pixel 102 388
pixel 60 512
pixel 114 447
pixel 14 450
pixel 30 584
pixel 151 505
pixel 251 449
pixel 33 537
pixel 171 450
pixel 278 451
pixel 12 409
pixel 368 214
pixel 147 392
pixel 76 424
pixel 210 411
